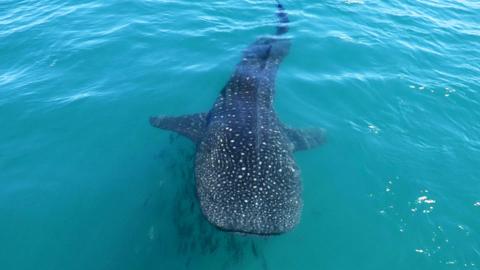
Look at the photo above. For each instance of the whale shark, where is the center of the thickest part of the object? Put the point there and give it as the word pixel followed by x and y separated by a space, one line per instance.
pixel 246 177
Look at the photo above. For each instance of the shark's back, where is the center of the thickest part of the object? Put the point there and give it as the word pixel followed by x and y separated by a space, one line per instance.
pixel 247 180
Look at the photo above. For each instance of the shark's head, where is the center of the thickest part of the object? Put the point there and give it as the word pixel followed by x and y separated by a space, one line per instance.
pixel 246 184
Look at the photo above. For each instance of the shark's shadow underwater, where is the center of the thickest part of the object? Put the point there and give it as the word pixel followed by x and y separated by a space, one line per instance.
pixel 195 239
pixel 246 178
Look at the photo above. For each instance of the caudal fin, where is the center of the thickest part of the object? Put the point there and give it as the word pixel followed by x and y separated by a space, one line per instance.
pixel 283 21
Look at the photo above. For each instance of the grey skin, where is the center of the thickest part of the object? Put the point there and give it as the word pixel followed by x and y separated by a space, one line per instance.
pixel 246 178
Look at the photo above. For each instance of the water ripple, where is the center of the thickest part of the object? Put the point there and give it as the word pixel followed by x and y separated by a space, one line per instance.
pixel 395 84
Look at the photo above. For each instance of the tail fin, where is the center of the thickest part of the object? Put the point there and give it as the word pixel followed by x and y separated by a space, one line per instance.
pixel 283 21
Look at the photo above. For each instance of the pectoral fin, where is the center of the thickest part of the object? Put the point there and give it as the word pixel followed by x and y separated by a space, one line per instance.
pixel 190 126
pixel 304 139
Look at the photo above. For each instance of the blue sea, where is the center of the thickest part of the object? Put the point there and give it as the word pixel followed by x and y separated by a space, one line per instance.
pixel 87 183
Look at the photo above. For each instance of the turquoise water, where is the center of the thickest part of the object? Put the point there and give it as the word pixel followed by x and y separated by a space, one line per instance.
pixel 87 183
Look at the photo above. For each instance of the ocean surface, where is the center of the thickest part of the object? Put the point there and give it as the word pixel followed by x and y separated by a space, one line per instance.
pixel 87 183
